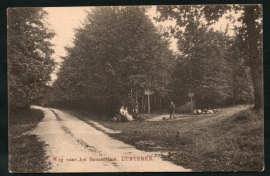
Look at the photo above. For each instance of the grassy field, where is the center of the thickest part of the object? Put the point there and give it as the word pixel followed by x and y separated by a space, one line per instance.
pixel 230 140
pixel 26 153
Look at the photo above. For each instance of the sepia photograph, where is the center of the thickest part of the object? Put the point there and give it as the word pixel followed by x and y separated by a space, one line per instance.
pixel 158 88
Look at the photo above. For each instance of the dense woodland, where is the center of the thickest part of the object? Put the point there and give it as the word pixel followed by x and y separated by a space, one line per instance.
pixel 29 56
pixel 119 53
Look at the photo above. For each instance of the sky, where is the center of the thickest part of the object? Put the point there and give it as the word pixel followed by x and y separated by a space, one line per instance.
pixel 63 20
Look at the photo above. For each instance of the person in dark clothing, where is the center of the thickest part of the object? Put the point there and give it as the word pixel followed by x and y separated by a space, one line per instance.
pixel 171 108
pixel 136 113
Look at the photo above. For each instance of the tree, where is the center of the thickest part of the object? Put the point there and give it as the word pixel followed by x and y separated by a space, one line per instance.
pixel 29 55
pixel 203 68
pixel 243 92
pixel 117 54
pixel 251 16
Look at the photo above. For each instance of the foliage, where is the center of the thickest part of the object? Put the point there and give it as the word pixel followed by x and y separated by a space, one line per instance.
pixel 203 68
pixel 251 17
pixel 118 50
pixel 211 67
pixel 29 55
pixel 242 82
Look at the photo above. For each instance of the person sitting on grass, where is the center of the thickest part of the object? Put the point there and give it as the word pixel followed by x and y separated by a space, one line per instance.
pixel 129 117
pixel 123 114
pixel 136 113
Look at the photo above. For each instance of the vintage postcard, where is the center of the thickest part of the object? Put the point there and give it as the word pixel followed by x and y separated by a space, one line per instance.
pixel 171 88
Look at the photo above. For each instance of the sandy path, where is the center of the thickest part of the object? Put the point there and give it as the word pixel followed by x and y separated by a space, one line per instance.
pixel 70 138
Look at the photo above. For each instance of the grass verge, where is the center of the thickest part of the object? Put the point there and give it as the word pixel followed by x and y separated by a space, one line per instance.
pixel 230 140
pixel 26 152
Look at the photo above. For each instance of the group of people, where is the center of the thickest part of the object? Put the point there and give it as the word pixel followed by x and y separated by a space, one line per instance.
pixel 124 113
pixel 127 117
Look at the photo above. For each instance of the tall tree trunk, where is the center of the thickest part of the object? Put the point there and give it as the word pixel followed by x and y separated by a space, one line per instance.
pixel 255 59
pixel 159 102
pixel 149 103
pixel 136 96
pixel 142 104
pixel 155 101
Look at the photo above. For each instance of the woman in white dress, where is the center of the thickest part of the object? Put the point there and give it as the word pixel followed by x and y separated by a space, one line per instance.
pixel 129 117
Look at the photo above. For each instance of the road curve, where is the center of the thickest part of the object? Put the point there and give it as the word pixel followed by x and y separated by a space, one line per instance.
pixel 75 146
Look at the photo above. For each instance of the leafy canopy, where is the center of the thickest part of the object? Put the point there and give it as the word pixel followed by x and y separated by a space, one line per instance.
pixel 117 50
pixel 29 55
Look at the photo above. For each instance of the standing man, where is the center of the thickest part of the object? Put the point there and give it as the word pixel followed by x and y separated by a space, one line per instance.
pixel 171 108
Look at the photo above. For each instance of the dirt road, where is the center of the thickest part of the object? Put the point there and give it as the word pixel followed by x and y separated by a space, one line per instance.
pixel 75 146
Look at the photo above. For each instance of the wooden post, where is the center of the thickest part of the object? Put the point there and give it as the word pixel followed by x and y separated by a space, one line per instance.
pixel 142 104
pixel 191 107
pixel 136 96
pixel 155 101
pixel 148 104
pixel 191 94
pixel 160 102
